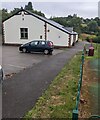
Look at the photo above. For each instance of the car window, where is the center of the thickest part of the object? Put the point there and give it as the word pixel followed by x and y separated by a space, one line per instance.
pixel 42 43
pixel 34 43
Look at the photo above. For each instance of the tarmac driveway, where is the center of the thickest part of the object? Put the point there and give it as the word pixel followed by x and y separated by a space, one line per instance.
pixel 21 91
pixel 13 61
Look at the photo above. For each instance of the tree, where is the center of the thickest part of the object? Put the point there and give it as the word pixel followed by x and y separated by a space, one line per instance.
pixel 93 26
pixel 38 13
pixel 97 19
pixel 5 14
pixel 29 6
pixel 14 11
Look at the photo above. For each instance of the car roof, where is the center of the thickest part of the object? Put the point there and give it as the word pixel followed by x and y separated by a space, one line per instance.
pixel 41 40
pixel 36 41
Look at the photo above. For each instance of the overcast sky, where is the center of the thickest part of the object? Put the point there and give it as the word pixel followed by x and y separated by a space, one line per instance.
pixel 86 9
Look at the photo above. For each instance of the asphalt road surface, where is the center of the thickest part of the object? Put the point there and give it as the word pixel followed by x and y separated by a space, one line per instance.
pixel 13 61
pixel 21 91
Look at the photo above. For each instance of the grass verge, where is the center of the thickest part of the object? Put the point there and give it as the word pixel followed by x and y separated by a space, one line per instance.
pixel 59 99
pixel 89 92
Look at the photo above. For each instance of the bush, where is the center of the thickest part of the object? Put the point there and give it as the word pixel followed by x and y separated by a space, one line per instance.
pixel 95 39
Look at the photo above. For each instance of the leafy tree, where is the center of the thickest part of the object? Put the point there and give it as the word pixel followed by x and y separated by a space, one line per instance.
pixel 14 11
pixel 29 6
pixel 84 28
pixel 93 26
pixel 38 13
pixel 5 14
pixel 97 19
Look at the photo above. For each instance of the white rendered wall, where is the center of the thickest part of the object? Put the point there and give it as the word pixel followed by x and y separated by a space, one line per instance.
pixel 35 30
pixel 58 37
pixel 12 29
pixel 77 37
pixel 72 40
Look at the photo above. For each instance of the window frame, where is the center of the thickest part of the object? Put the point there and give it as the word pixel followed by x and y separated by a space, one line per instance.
pixel 24 33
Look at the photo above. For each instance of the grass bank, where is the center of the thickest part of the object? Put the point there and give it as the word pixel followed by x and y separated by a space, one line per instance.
pixel 89 92
pixel 59 99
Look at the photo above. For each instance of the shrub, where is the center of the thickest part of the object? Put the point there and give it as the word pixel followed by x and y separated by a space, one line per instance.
pixel 95 39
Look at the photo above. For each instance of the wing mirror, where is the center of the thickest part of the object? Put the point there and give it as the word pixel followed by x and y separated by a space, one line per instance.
pixel 1 74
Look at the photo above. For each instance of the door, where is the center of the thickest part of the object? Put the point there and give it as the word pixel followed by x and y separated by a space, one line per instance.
pixel 41 46
pixel 34 46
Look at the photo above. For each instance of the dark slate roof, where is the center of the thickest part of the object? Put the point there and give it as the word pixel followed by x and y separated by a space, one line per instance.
pixel 51 22
pixel 69 28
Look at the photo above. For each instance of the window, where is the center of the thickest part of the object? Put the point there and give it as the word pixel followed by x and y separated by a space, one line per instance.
pixel 42 43
pixel 24 33
pixel 34 43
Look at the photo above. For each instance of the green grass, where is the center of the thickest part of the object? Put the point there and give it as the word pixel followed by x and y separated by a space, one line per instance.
pixel 59 99
pixel 92 76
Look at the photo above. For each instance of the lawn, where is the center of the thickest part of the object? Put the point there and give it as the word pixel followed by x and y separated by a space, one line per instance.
pixel 59 100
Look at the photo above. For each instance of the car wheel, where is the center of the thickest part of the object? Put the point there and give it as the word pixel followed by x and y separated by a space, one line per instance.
pixel 24 50
pixel 46 52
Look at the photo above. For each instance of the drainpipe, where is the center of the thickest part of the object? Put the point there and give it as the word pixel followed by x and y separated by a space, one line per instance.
pixel 69 40
pixel 45 31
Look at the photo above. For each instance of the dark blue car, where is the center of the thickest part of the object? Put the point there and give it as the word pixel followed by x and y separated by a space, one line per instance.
pixel 37 46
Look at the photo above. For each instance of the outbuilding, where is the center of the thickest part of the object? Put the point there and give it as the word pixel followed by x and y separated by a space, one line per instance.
pixel 25 26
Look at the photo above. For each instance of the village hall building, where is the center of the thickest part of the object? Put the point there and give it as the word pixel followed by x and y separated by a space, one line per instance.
pixel 24 26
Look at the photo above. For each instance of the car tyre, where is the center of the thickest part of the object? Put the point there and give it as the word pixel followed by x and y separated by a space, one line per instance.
pixel 24 50
pixel 46 52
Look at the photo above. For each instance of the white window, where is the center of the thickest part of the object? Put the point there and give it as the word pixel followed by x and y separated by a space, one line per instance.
pixel 24 33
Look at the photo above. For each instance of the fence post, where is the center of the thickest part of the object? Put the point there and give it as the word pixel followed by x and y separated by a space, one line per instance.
pixel 75 115
pixel 81 74
pixel 83 57
pixel 75 111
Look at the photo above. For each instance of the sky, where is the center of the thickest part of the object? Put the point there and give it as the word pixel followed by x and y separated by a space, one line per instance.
pixel 58 8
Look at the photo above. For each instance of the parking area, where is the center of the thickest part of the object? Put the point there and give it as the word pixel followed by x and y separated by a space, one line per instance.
pixel 13 61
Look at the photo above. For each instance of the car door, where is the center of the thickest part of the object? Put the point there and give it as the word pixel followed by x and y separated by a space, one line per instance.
pixel 41 46
pixel 34 46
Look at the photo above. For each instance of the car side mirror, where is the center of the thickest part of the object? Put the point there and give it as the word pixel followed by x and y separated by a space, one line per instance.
pixel 1 74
